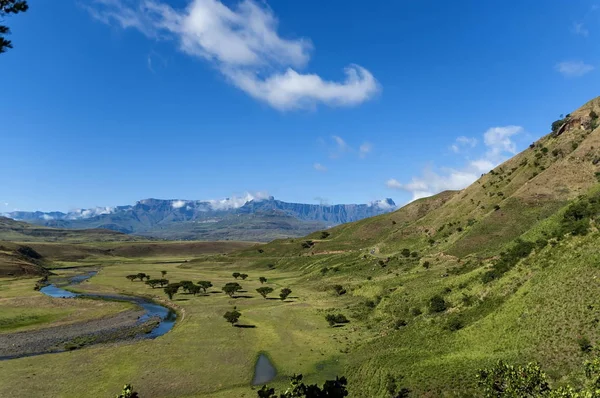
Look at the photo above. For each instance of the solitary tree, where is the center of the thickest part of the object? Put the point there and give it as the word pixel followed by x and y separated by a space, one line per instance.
pixel 163 273
pixel 437 304
pixel 131 277
pixel 264 291
pixel 262 279
pixel 236 275
pixel 9 7
pixel 205 285
pixel 141 276
pixel 243 276
pixel 171 290
pixel 232 316
pixel 285 292
pixel 231 288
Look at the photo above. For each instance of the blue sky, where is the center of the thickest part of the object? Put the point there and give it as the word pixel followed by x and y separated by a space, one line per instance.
pixel 108 102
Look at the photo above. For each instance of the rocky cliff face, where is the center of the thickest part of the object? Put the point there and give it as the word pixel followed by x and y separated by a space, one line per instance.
pixel 157 217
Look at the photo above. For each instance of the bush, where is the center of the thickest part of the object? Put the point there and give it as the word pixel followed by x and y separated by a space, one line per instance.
pixel 325 235
pixel 339 289
pixel 400 323
pixel 557 124
pixel 416 311
pixel 405 252
pixel 454 324
pixel 584 344
pixel 437 304
pixel 334 319
pixel 426 264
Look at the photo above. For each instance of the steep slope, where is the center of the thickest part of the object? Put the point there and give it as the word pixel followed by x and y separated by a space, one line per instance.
pixel 493 211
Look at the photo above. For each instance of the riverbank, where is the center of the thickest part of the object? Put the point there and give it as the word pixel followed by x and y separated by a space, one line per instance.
pixel 123 326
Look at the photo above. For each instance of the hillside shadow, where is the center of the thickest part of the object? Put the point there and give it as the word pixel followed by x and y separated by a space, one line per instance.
pixel 273 298
pixel 243 296
pixel 245 326
pixel 182 299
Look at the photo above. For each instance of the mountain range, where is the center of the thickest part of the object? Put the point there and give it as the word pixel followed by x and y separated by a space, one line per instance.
pixel 256 219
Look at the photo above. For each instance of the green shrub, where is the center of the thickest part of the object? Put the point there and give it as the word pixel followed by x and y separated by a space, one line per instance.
pixel 584 344
pixel 437 304
pixel 454 324
pixel 416 311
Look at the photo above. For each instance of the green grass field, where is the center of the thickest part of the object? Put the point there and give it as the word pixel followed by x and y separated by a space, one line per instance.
pixel 203 355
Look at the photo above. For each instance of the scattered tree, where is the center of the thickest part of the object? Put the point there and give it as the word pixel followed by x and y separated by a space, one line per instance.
pixel 285 292
pixel 262 279
pixel 264 291
pixel 405 252
pixel 236 275
pixel 171 290
pixel 163 273
pixel 131 277
pixel 194 289
pixel 141 276
pixel 9 7
pixel 153 283
pixel 186 285
pixel 231 288
pixel 204 285
pixel 232 316
pixel 325 235
pixel 163 282
pixel 243 276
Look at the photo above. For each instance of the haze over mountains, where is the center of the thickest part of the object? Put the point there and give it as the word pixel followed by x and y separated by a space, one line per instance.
pixel 249 218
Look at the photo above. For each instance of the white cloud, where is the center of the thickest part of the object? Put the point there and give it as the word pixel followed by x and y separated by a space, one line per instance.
pixel 498 140
pixel 178 204
pixel 498 143
pixel 237 201
pixel 88 213
pixel 580 29
pixel 319 167
pixel 463 142
pixel 573 68
pixel 364 150
pixel 242 42
pixel 386 204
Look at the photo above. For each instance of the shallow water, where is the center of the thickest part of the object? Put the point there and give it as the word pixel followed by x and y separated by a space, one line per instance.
pixel 167 316
pixel 264 371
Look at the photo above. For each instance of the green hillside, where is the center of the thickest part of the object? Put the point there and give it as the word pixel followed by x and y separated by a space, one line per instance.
pixel 513 258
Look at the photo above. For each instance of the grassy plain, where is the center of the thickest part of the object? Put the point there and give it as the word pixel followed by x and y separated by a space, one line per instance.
pixel 203 355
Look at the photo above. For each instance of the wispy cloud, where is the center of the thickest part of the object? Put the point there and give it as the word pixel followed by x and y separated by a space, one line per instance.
pixel 573 68
pixel 242 42
pixel 364 150
pixel 319 167
pixel 463 142
pixel 580 29
pixel 498 144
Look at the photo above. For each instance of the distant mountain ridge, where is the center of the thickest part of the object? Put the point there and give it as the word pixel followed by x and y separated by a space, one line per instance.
pixel 193 219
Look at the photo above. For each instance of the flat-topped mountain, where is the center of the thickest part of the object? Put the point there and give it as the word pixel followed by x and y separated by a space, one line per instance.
pixel 254 219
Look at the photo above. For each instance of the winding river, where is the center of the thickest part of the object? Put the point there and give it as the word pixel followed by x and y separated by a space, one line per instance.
pixel 153 320
pixel 152 310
